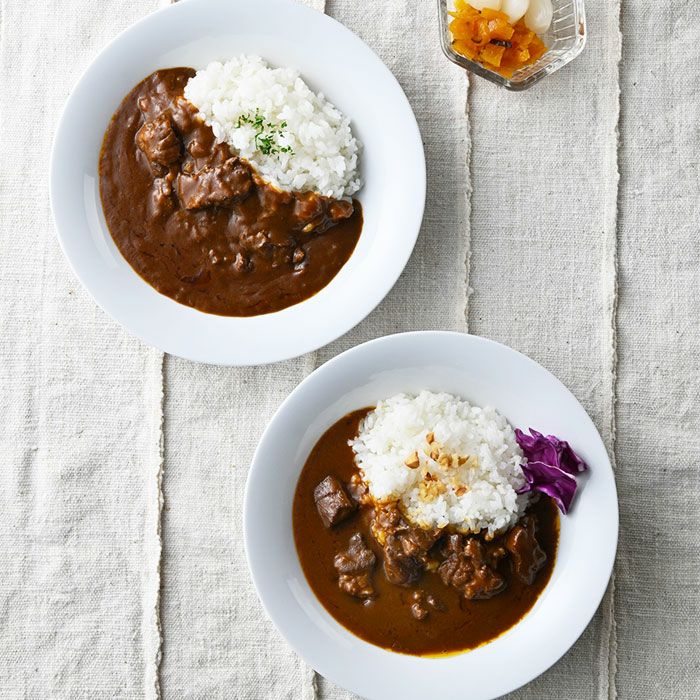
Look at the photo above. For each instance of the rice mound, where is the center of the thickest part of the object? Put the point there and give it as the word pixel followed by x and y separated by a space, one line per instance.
pixel 471 479
pixel 315 151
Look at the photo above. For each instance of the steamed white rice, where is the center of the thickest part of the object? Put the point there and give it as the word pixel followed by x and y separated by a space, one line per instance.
pixel 316 150
pixel 477 489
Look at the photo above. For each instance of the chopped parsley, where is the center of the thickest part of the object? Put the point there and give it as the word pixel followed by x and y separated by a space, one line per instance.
pixel 266 133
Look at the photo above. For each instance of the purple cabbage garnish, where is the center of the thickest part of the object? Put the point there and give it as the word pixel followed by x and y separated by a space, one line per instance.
pixel 550 467
pixel 550 480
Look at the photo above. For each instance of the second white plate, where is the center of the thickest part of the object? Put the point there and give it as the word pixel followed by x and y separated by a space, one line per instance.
pixel 487 374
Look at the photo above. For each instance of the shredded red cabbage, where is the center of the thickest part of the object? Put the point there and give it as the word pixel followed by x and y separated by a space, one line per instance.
pixel 550 467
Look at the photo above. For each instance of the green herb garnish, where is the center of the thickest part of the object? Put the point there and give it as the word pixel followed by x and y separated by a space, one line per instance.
pixel 266 133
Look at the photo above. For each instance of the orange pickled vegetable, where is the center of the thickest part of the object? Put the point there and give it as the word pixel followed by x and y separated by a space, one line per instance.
pixel 501 29
pixel 522 36
pixel 488 37
pixel 492 54
pixel 464 6
pixel 494 14
pixel 466 48
pixel 537 49
pixel 460 26
pixel 480 31
pixel 514 58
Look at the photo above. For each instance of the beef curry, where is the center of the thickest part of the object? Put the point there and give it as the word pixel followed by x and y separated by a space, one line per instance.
pixel 199 224
pixel 401 587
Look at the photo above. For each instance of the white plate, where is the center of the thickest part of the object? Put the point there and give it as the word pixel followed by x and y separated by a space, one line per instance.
pixel 485 373
pixel 331 59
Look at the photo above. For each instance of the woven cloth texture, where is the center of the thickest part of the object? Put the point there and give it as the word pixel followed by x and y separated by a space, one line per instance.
pixel 81 406
pixel 561 221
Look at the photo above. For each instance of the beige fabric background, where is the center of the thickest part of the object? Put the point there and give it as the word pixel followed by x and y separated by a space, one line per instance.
pixel 561 221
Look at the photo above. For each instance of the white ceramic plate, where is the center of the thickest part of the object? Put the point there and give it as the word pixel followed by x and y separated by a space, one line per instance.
pixel 485 373
pixel 331 59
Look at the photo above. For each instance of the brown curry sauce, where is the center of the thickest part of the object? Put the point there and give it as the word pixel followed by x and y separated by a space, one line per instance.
pixel 198 224
pixel 387 621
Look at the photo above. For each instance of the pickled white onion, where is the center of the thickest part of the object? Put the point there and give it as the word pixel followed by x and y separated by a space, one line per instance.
pixel 515 9
pixel 538 17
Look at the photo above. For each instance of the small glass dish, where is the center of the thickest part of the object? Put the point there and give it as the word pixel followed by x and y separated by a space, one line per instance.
pixel 565 40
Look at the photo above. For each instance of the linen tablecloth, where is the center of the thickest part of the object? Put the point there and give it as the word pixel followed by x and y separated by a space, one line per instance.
pixel 562 221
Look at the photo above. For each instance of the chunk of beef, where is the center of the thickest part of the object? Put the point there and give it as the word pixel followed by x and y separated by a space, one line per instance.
pixel 423 603
pixel 315 213
pixel 354 568
pixel 358 557
pixel 161 203
pixel 400 567
pixel 215 186
pixel 467 569
pixel 494 553
pixel 357 585
pixel 405 547
pixel 406 554
pixel 332 502
pixel 528 556
pixel 307 207
pixel 183 115
pixel 159 142
pixel 340 209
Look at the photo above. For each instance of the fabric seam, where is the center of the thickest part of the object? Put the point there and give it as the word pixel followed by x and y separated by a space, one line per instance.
pixel 612 631
pixel 152 625
pixel 469 188
pixel 159 534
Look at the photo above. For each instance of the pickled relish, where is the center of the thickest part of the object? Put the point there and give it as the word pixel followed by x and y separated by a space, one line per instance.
pixel 487 36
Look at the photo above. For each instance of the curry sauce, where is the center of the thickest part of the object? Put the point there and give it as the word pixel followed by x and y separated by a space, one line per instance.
pixel 455 624
pixel 199 224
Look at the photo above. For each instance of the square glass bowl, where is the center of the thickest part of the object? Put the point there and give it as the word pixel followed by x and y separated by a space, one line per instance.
pixel 565 40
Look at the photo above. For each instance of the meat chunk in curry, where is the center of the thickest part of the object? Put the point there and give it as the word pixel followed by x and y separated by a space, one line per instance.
pixel 159 142
pixel 354 567
pixel 216 185
pixel 467 568
pixel 333 502
pixel 405 547
pixel 528 556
